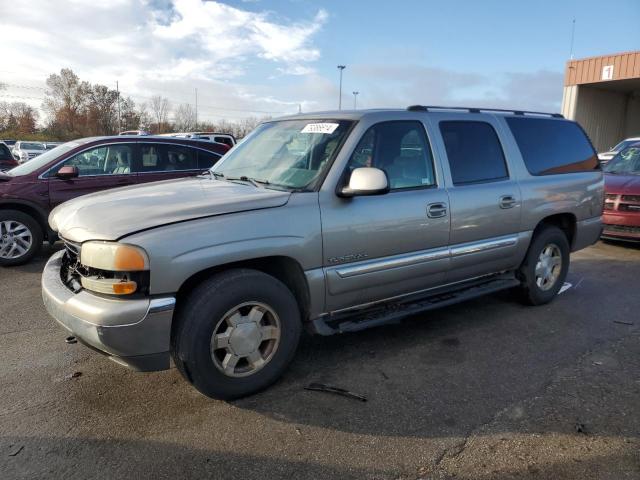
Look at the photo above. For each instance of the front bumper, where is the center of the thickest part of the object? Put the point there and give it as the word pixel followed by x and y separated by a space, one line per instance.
pixel 132 332
pixel 621 226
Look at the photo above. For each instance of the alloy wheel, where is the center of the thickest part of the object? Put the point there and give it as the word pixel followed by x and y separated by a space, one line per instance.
pixel 15 239
pixel 548 267
pixel 245 339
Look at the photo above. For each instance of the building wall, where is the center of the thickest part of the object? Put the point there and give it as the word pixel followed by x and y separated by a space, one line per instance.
pixel 601 113
pixel 590 70
pixel 633 116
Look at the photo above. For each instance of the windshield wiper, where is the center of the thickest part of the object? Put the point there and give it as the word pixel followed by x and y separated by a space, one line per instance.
pixel 253 181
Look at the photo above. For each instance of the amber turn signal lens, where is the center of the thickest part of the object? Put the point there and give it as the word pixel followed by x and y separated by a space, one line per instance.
pixel 110 286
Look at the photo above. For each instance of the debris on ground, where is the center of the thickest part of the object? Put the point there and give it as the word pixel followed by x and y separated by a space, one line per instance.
pixel 581 428
pixel 71 340
pixel 622 323
pixel 321 387
pixel 75 375
pixel 17 451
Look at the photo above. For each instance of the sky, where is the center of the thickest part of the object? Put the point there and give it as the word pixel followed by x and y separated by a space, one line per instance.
pixel 273 57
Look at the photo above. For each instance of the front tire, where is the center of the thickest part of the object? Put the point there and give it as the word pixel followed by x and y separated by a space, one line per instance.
pixel 236 333
pixel 20 237
pixel 545 267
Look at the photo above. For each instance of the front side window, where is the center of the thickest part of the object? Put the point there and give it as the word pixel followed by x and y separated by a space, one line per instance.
pixel 286 154
pixel 104 160
pixel 474 152
pixel 551 146
pixel 401 150
pixel 626 162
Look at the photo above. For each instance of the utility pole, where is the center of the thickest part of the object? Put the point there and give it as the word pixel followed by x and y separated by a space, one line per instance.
pixel 355 100
pixel 118 99
pixel 573 33
pixel 196 127
pixel 341 68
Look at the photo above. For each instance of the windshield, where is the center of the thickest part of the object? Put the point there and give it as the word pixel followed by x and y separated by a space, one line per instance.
pixel 627 162
pixel 289 154
pixel 31 146
pixel 42 160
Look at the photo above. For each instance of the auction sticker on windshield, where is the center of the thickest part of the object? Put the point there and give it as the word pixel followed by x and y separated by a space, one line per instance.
pixel 319 128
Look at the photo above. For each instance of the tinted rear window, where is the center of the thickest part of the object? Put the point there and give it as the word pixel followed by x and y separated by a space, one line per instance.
pixel 4 152
pixel 474 152
pixel 553 146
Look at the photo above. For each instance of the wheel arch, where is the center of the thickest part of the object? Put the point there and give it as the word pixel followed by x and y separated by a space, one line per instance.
pixel 284 268
pixel 37 213
pixel 566 222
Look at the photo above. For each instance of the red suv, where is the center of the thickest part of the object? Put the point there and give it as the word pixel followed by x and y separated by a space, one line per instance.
pixel 30 191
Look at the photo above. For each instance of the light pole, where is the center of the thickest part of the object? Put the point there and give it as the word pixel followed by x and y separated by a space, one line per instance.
pixel 355 100
pixel 341 68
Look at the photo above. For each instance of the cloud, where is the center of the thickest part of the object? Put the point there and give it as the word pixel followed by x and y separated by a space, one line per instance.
pixel 169 47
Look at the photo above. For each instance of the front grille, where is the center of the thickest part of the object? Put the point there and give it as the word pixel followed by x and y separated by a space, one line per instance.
pixel 611 196
pixel 608 206
pixel 69 273
pixel 626 207
pixel 631 198
pixel 621 228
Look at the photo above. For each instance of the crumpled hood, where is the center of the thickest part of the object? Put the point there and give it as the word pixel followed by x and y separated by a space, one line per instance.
pixel 115 213
pixel 622 184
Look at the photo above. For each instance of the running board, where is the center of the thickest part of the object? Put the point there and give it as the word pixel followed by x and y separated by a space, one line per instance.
pixel 393 312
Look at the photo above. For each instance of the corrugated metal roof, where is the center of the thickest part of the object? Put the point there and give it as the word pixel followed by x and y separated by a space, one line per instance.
pixel 606 68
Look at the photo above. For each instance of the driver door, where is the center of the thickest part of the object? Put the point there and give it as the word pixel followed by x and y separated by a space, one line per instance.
pixel 378 247
pixel 99 168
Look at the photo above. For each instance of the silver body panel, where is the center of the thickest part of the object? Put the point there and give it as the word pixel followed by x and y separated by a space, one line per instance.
pixel 353 251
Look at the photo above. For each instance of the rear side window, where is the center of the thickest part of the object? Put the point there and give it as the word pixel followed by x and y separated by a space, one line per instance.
pixel 474 152
pixel 207 159
pixel 553 146
pixel 166 158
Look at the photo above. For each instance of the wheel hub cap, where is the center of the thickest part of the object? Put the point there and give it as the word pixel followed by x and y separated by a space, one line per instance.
pixel 245 339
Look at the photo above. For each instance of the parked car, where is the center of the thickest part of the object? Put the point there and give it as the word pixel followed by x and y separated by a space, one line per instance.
pixel 6 158
pixel 382 214
pixel 622 195
pixel 29 191
pixel 134 132
pixel 51 145
pixel 224 138
pixel 25 151
pixel 604 157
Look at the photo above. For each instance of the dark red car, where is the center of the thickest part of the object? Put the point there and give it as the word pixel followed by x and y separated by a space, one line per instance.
pixel 621 216
pixel 30 191
pixel 6 158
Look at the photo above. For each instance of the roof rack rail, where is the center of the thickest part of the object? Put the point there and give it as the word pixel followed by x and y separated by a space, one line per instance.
pixel 429 108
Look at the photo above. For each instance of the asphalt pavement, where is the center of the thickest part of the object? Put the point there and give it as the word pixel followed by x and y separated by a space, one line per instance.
pixel 485 389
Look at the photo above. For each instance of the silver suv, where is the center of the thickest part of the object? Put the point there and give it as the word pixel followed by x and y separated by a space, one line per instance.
pixel 333 221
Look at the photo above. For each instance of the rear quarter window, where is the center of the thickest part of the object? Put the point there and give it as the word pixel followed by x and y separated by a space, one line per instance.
pixel 553 146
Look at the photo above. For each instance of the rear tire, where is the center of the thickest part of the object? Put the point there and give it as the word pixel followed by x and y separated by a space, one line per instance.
pixel 20 237
pixel 545 267
pixel 236 333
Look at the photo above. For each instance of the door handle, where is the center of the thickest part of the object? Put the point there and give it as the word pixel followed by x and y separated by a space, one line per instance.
pixel 436 210
pixel 507 201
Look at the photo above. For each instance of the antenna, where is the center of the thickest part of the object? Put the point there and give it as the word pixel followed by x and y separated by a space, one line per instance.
pixel 573 33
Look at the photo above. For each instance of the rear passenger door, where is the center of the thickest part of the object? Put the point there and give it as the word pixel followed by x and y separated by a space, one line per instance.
pixel 99 168
pixel 485 199
pixel 162 161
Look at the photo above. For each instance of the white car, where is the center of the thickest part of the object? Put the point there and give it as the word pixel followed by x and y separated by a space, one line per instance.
pixel 25 151
pixel 604 157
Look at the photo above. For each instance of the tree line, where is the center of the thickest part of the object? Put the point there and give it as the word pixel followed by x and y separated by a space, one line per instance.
pixel 75 108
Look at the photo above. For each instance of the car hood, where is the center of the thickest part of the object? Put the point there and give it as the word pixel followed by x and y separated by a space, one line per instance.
pixel 622 184
pixel 116 213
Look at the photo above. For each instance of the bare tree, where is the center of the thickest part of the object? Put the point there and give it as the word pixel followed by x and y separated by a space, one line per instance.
pixel 184 118
pixel 160 109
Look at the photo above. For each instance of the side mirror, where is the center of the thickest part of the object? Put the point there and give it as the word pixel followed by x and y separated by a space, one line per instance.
pixel 67 172
pixel 366 181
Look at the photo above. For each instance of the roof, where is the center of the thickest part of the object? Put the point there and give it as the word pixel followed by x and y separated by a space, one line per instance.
pixel 605 68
